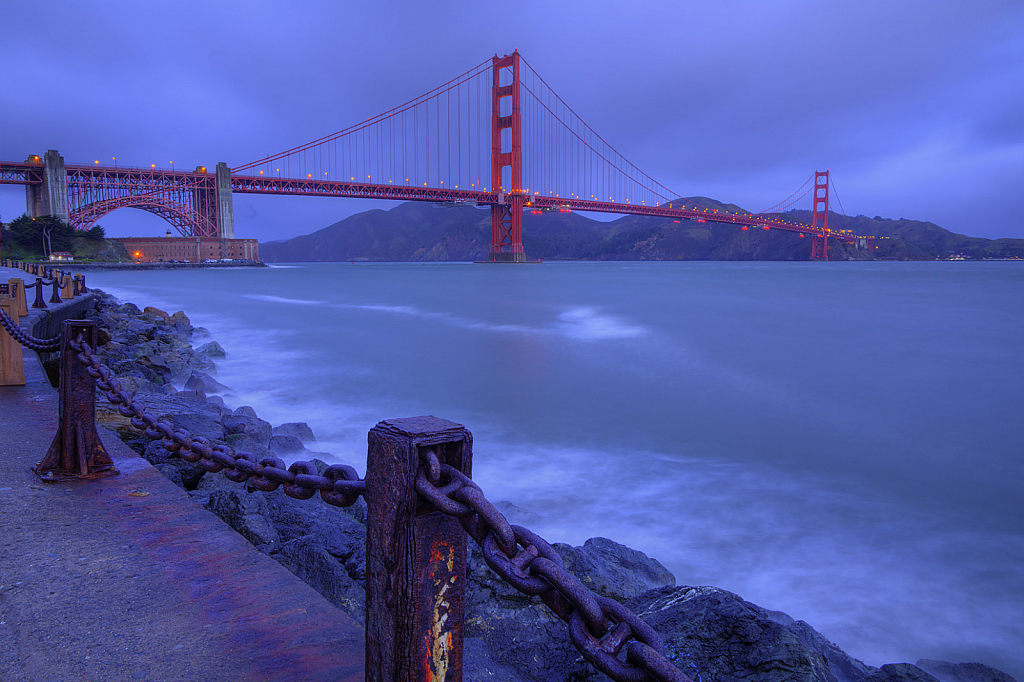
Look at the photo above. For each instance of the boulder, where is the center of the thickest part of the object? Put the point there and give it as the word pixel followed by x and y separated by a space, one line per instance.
pixel 962 672
pixel 286 445
pixel 254 427
pixel 211 350
pixel 299 430
pixel 205 383
pixel 900 672
pixel 245 410
pixel 613 570
pixel 720 636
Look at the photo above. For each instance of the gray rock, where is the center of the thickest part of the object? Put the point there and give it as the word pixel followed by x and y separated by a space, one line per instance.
pixel 254 427
pixel 192 394
pixel 900 672
pixel 212 350
pixel 200 332
pixel 204 382
pixel 614 570
pixel 727 638
pixel 245 411
pixel 300 430
pixel 286 445
pixel 962 672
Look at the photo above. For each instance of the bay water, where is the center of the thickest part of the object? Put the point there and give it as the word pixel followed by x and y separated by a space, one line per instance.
pixel 839 441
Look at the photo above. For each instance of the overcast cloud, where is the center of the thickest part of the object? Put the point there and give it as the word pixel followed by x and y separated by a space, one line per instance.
pixel 916 106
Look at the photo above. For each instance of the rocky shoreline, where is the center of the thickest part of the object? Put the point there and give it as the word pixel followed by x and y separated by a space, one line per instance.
pixel 711 634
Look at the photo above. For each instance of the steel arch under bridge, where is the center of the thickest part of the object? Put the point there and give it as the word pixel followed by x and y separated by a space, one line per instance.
pixel 187 200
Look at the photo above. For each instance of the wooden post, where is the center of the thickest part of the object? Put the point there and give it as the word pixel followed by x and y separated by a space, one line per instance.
pixel 415 556
pixel 67 291
pixel 12 365
pixel 18 291
pixel 76 451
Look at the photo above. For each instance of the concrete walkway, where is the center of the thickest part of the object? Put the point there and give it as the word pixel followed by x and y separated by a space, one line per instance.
pixel 125 578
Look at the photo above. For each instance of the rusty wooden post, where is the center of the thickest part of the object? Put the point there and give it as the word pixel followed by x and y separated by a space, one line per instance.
pixel 415 556
pixel 17 286
pixel 76 451
pixel 12 364
pixel 67 290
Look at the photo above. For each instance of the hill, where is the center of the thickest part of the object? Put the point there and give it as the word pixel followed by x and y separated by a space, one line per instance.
pixel 416 231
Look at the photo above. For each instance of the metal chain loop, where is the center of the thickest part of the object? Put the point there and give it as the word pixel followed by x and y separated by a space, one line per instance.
pixel 600 628
pixel 339 487
pixel 23 337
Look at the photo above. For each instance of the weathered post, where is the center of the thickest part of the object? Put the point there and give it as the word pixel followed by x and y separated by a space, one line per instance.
pixel 67 291
pixel 55 281
pixel 12 365
pixel 80 285
pixel 76 451
pixel 39 302
pixel 415 555
pixel 17 286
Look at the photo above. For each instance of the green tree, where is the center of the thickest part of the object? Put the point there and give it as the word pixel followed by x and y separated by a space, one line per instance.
pixel 43 235
pixel 95 232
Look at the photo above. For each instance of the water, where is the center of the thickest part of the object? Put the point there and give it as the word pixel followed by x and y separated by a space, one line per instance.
pixel 839 441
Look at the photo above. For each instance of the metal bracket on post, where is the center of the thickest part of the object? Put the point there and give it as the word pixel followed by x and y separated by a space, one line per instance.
pixel 415 555
pixel 76 451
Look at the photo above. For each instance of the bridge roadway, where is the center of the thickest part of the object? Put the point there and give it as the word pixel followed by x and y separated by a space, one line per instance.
pixel 125 578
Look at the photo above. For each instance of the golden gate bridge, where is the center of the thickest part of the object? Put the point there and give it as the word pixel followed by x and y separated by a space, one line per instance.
pixel 496 136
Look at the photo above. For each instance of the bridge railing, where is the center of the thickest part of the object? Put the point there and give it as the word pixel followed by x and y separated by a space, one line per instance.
pixel 421 502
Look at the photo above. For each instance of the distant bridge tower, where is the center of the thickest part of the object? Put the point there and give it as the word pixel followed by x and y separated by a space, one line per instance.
pixel 507 214
pixel 819 245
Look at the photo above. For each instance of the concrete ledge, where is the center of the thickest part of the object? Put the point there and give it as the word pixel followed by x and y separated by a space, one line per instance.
pixel 125 578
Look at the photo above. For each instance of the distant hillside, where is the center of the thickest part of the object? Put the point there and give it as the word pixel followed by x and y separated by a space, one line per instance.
pixel 416 231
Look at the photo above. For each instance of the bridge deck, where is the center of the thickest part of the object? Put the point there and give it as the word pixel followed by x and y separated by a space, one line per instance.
pixel 125 578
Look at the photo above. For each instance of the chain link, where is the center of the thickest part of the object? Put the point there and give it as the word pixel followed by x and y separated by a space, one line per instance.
pixel 23 337
pixel 339 485
pixel 599 627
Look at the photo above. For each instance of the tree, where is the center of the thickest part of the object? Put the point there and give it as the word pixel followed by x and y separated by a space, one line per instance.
pixel 95 232
pixel 43 235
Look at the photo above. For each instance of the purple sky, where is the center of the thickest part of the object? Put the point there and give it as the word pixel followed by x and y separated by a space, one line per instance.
pixel 916 106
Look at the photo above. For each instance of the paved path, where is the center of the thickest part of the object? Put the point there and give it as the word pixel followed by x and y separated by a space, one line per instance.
pixel 125 578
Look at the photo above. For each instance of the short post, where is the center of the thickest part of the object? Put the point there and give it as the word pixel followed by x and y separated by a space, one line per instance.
pixel 12 366
pixel 76 451
pixel 55 298
pixel 80 285
pixel 39 302
pixel 17 286
pixel 415 555
pixel 67 291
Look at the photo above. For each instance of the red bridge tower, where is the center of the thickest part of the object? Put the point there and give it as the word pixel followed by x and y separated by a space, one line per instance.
pixel 819 245
pixel 507 214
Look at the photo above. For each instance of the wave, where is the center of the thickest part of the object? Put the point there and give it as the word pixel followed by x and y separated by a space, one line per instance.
pixel 282 299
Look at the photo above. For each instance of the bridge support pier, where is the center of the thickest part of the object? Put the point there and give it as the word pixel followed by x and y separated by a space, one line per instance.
pixel 225 208
pixel 50 198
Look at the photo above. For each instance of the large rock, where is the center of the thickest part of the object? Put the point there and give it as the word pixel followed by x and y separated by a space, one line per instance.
pixel 962 672
pixel 614 570
pixel 721 637
pixel 286 445
pixel 202 381
pixel 254 427
pixel 900 672
pixel 211 350
pixel 299 430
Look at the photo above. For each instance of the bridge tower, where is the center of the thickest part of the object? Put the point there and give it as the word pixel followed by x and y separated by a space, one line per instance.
pixel 507 213
pixel 819 245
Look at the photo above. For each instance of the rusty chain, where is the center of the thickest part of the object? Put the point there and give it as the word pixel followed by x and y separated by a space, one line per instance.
pixel 23 337
pixel 339 485
pixel 599 627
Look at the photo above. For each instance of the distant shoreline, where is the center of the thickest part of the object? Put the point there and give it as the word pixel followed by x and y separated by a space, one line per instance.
pixel 155 266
